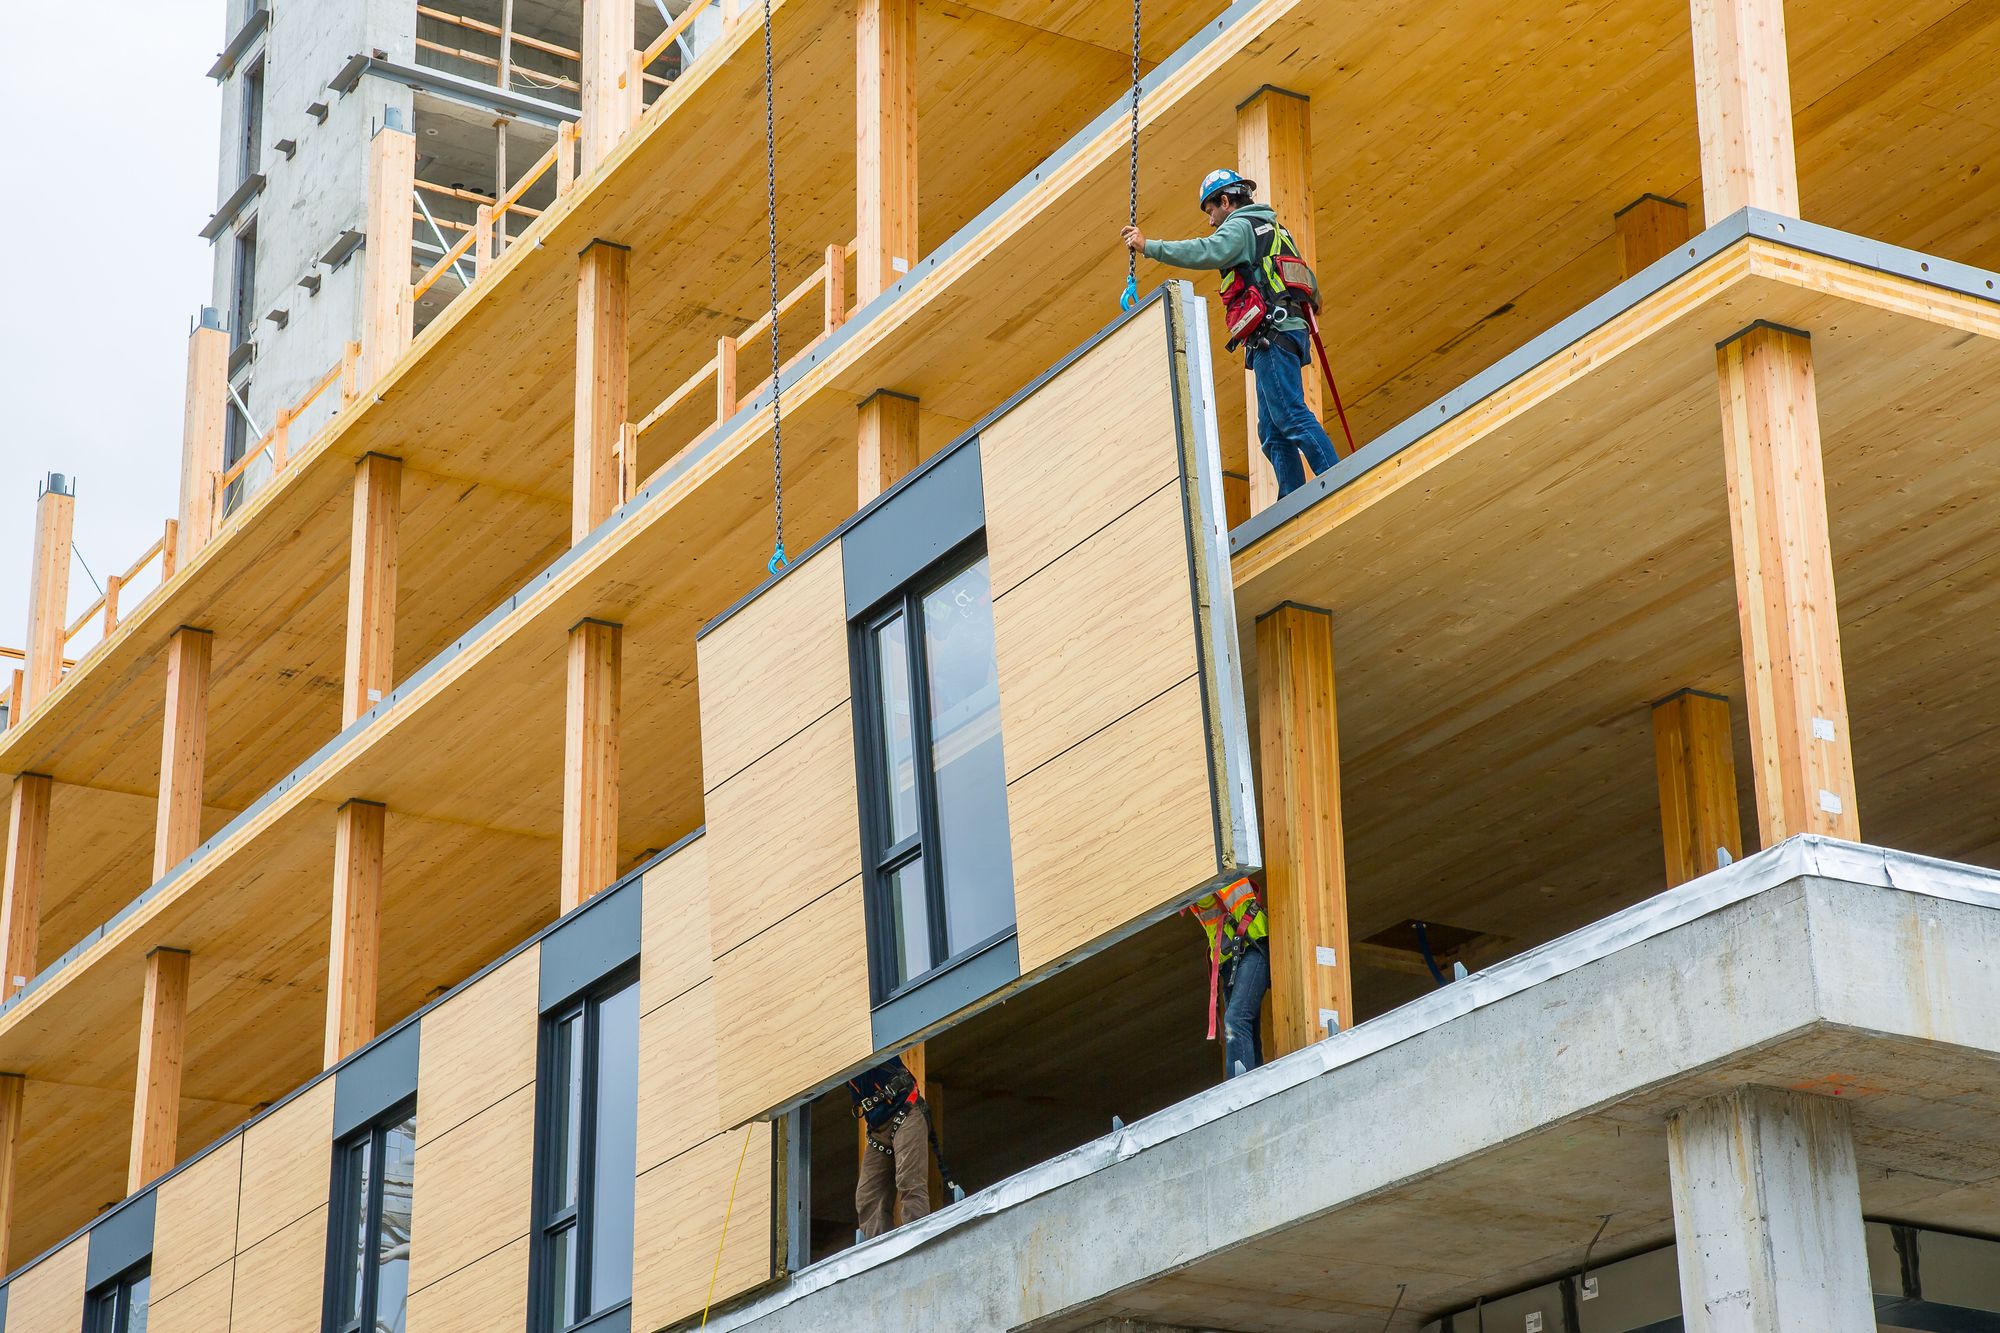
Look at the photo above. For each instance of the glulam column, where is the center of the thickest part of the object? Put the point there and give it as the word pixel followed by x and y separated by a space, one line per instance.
pixel 204 428
pixel 886 143
pixel 183 749
pixel 28 802
pixel 1649 228
pixel 1274 149
pixel 371 585
pixel 885 443
pixel 1695 764
pixel 590 761
pixel 48 592
pixel 386 327
pixel 603 385
pixel 1743 105
pixel 156 1096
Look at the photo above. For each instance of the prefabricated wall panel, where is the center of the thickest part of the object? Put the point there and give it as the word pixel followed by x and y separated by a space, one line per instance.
pixel 1121 702
pixel 48 1298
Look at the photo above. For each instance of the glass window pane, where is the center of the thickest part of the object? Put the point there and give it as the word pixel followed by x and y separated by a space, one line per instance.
pixel 141 1293
pixel 562 1276
pixel 975 855
pixel 392 1235
pixel 909 920
pixel 104 1312
pixel 566 1138
pixel 354 1187
pixel 615 1151
pixel 892 670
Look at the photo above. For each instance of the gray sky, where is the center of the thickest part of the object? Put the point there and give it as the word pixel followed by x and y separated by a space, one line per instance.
pixel 99 277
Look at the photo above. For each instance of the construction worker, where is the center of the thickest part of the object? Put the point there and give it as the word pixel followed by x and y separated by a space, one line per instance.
pixel 1239 969
pixel 1246 237
pixel 896 1168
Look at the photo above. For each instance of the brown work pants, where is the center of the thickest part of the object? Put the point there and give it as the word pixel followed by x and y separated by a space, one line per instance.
pixel 904 1178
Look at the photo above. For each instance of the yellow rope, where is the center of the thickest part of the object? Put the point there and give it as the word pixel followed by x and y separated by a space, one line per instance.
pixel 716 1272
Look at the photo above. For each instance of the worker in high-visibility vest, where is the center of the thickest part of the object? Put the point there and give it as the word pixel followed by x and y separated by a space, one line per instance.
pixel 1239 970
pixel 1263 314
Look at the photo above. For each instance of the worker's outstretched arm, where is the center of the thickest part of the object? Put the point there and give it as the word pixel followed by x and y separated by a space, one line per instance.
pixel 1230 244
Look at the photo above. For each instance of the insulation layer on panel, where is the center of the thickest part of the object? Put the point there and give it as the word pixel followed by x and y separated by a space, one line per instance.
pixel 1075 539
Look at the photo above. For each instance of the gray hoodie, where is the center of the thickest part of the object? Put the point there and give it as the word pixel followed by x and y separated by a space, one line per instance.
pixel 1231 244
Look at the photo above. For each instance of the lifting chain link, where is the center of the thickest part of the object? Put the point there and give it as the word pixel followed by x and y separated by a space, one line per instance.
pixel 1131 294
pixel 778 558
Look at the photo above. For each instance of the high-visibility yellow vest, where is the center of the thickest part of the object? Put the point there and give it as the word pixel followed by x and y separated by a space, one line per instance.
pixel 1238 905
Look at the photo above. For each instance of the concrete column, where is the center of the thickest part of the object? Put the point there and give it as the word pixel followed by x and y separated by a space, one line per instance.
pixel 1767 1212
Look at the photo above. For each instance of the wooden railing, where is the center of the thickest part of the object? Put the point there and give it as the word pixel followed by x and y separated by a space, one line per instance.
pixel 503 77
pixel 478 238
pixel 166 551
pixel 643 60
pixel 277 442
pixel 829 279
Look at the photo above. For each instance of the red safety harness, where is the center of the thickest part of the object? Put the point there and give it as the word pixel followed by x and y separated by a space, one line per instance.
pixel 1224 912
pixel 1280 279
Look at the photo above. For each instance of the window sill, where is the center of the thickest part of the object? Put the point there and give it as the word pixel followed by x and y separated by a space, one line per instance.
pixel 946 991
pixel 618 1319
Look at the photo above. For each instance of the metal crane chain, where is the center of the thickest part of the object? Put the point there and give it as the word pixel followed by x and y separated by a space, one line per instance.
pixel 1131 295
pixel 778 557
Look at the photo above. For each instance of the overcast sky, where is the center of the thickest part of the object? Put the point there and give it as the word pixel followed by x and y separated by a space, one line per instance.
pixel 100 275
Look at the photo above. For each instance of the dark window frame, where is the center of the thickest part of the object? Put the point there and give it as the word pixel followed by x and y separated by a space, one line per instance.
pixel 883 855
pixel 344 1223
pixel 119 1293
pixel 243 284
pixel 250 145
pixel 585 1006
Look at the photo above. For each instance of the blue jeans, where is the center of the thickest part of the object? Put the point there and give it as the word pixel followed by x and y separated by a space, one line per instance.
pixel 1286 427
pixel 1244 983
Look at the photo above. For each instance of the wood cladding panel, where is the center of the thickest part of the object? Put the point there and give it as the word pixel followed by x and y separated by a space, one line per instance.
pixel 677 1101
pixel 194 1226
pixel 200 1306
pixel 795 1003
pixel 1112 829
pixel 680 1210
pixel 480 1297
pixel 757 698
pixel 287 1165
pixel 1094 635
pixel 675 954
pixel 473 1189
pixel 1079 451
pixel 281 1280
pixel 479 1048
pixel 785 830
pixel 48 1298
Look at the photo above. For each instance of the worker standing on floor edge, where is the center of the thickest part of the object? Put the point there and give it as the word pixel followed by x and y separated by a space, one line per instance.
pixel 897 1166
pixel 1263 314
pixel 1239 970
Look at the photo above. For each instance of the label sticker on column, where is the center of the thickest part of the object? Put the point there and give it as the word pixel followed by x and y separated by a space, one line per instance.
pixel 1822 729
pixel 1829 802
pixel 1326 956
pixel 1534 1321
pixel 1329 1021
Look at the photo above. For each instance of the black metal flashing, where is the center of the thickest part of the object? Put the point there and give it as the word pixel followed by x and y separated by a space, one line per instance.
pixel 253 28
pixel 375 1079
pixel 944 509
pixel 591 943
pixel 962 983
pixel 120 1241
pixel 1744 224
pixel 226 213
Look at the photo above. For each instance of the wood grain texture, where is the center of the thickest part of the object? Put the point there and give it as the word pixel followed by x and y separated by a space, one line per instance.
pixel 609 37
pixel 354 954
pixel 287 1165
pixel 490 1294
pixel 794 1000
pixel 1743 101
pixel 1274 149
pixel 1305 858
pixel 885 442
pixel 590 761
pixel 48 1298
pixel 385 262
pixel 1648 229
pixel 885 86
pixel 1112 829
pixel 1094 635
pixel 370 669
pixel 681 1207
pixel 204 426
pixel 281 1280
pixel 603 385
pixel 201 1306
pixel 12 1088
pixel 156 1100
pixel 677 1058
pixel 675 954
pixel 473 1189
pixel 1048 484
pixel 774 696
pixel 1790 622
pixel 194 1226
pixel 480 1048
pixel 183 749
pixel 48 598
pixel 1695 761
pixel 784 831
pixel 28 803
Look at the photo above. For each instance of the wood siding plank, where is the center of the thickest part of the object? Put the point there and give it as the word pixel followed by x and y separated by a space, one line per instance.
pixel 194 1228
pixel 281 1280
pixel 48 1298
pixel 473 1189
pixel 480 1048
pixel 287 1165
pixel 675 954
pixel 479 1298
pixel 680 1210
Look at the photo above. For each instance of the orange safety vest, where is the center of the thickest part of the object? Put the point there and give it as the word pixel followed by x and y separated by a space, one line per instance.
pixel 1243 908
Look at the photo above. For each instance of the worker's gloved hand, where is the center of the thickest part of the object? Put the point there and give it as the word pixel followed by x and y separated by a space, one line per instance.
pixel 1135 240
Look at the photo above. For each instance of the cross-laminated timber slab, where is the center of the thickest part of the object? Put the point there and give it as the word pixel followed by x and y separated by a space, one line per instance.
pixel 1818 964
